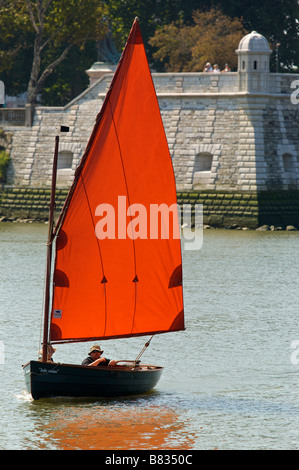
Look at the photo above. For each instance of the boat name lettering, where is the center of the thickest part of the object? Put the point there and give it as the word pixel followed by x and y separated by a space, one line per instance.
pixel 51 371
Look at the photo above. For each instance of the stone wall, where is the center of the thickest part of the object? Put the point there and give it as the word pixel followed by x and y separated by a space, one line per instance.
pixel 227 209
pixel 222 140
pixel 245 134
pixel 29 203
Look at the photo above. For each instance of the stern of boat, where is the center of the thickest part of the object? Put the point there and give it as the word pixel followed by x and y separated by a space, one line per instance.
pixel 27 375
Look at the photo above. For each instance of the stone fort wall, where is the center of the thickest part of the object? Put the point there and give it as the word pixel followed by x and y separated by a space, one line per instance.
pixel 219 138
pixel 232 133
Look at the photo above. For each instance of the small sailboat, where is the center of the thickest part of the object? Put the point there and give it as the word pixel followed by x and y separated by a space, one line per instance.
pixel 118 267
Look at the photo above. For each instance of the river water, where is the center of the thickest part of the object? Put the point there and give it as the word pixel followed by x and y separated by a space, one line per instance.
pixel 230 379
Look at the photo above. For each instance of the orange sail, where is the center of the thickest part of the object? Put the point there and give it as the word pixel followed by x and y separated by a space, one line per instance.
pixel 118 268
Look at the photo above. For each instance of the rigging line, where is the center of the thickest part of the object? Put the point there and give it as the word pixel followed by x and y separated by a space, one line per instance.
pixel 99 248
pixel 143 349
pixel 130 215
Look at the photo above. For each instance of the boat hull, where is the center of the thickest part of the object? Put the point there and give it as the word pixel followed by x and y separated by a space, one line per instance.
pixel 46 379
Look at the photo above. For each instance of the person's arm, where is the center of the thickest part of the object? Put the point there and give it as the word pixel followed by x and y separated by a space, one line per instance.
pixel 98 361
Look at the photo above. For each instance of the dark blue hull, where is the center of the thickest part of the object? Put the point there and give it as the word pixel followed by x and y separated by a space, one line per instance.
pixel 67 380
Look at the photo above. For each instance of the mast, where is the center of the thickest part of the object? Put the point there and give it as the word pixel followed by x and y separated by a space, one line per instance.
pixel 49 248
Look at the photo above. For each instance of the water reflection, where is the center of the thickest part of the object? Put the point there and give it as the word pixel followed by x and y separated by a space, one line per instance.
pixel 128 424
pixel 157 421
pixel 228 380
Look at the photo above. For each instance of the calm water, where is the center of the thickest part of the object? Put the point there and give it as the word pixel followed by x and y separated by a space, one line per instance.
pixel 229 381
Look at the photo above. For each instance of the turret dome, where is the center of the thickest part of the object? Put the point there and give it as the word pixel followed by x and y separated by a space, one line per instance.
pixel 254 42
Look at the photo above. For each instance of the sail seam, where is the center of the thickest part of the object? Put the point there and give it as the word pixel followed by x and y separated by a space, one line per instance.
pixel 99 250
pixel 130 214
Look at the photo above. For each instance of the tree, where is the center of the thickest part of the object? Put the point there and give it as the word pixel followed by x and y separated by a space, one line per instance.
pixel 152 14
pixel 69 79
pixel 49 29
pixel 4 161
pixel 174 46
pixel 277 20
pixel 213 38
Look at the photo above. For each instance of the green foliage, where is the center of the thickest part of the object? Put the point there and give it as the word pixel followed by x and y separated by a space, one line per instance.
pixel 152 14
pixel 277 20
pixel 212 38
pixel 45 32
pixel 69 79
pixel 4 162
pixel 50 44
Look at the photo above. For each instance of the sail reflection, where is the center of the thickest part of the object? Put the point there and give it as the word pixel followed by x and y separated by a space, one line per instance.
pixel 119 427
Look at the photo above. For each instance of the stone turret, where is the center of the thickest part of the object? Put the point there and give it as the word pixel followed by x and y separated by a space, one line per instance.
pixel 253 63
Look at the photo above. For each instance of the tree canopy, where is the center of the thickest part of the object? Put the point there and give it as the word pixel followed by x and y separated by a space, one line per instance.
pixel 46 45
pixel 45 31
pixel 277 20
pixel 213 38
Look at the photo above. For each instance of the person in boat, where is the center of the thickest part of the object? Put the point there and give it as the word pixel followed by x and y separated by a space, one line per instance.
pixel 50 352
pixel 95 358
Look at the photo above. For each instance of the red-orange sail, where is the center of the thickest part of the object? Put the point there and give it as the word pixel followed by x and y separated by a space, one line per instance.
pixel 119 276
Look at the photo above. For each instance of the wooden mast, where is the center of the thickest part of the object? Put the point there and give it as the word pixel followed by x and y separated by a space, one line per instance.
pixel 49 248
pixel 49 253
